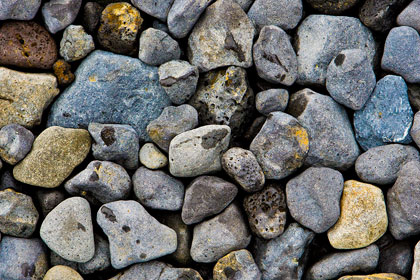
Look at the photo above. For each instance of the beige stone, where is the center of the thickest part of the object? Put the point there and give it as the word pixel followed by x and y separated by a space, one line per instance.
pixel 152 157
pixel 62 272
pixel 378 276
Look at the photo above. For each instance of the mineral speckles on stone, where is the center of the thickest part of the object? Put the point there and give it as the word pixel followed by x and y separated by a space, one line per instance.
pixel 76 43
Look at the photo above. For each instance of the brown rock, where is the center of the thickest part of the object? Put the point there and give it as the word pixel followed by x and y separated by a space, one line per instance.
pixel 62 70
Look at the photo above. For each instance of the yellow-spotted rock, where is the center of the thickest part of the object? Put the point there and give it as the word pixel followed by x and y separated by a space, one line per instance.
pixel 236 265
pixel 378 276
pixel 62 70
pixel 62 272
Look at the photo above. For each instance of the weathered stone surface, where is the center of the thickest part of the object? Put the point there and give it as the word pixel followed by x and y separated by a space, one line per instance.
pixel 76 43
pixel 333 7
pixel 409 16
pixel 19 9
pixel 61 272
pixel 271 100
pixel 15 143
pixel 58 14
pixel 49 199
pixel 151 157
pixel 63 73
pixel 236 265
pixel 156 8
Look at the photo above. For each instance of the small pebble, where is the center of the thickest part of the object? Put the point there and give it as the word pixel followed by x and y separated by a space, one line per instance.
pixel 48 199
pixel 271 100
pixel 76 43
pixel 63 73
pixel 15 143
pixel 238 264
pixel 156 8
pixel 409 16
pixel 152 157
pixel 58 14
pixel 61 272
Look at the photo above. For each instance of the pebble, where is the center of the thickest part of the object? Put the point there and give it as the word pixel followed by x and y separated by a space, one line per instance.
pixel 377 276
pixel 415 129
pixel 218 40
pixel 76 43
pixel 253 129
pixel 413 91
pixel 152 157
pixel 15 143
pixel 54 155
pixel 208 142
pixel 19 9
pixel 101 259
pixel 386 117
pixel 363 218
pixel 156 8
pixel 333 7
pixel 236 265
pixel 157 24
pixel 63 73
pixel 416 263
pixel 57 260
pixel 409 16
pixel 92 12
pixel 271 100
pixel 157 190
pixel 8 182
pixel 397 258
pixel 350 78
pixel 61 272
pixel 48 199
pixel 58 14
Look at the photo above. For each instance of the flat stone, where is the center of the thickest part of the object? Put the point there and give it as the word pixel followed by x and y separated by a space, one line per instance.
pixel 76 43
pixel 397 258
pixel 19 9
pixel 48 199
pixel 61 272
pixel 377 276
pixel 236 265
pixel 15 143
pixel 151 157
pixel 409 16
pixel 156 8
pixel 271 100
pixel 101 259
pixel 63 73
pixel 58 14
pixel 91 16
pixel 333 7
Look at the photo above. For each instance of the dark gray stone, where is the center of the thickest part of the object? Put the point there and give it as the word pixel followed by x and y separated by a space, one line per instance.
pixel 15 143
pixel 101 259
pixel 413 91
pixel 48 199
pixel 58 14
pixel 156 8
pixel 333 7
pixel 396 258
pixel 157 24
pixel 91 16
pixel 271 100
pixel 19 9
pixel 410 15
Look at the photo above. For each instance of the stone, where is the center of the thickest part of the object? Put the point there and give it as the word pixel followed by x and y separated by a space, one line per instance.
pixel 157 190
pixel 19 9
pixel 101 259
pixel 332 7
pixel 206 196
pixel 377 276
pixel 134 235
pixel 214 238
pixel 91 16
pixel 331 138
pixel 100 182
pixel 26 45
pixel 157 24
pixel 254 128
pixel 266 211
pixel 8 182
pixel 76 43
pixel 57 260
pixel 151 157
pixel 245 4
pixel 207 143
pixel 15 143
pixel 280 146
pixel 413 91
pixel 387 115
pixel 236 265
pixel 156 8
pixel 416 264
pixel 380 165
pixel 313 198
pixel 271 100
pixel 397 258
pixel 119 27
pixel 400 53
pixel 54 155
pixel 350 78
pixel 58 14
pixel 179 80
pixel 48 199
pixel 274 56
pixel 63 73
pixel 218 40
pixel 409 16
pixel 179 273
pixel 134 95
pixel 320 38
pixel 363 218
pixel 415 129
pixel 61 272
pixel 172 121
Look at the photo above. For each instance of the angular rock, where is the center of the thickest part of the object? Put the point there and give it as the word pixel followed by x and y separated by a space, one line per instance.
pixel 377 276
pixel 157 47
pixel 151 157
pixel 48 199
pixel 333 7
pixel 236 265
pixel 397 258
pixel 101 259
pixel 156 8
pixel 61 272
pixel 63 73
pixel 58 14
pixel 15 143
pixel 409 16
pixel 271 100
pixel 91 16
pixel 76 43
pixel 19 9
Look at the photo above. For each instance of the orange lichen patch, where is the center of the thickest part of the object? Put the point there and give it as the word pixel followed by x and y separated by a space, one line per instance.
pixel 62 70
pixel 92 79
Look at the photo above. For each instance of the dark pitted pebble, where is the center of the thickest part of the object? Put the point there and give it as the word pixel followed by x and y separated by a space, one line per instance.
pixel 236 265
pixel 91 16
pixel 61 272
pixel 101 258
pixel 410 15
pixel 151 157
pixel 415 129
pixel 19 9
pixel 333 7
pixel 76 43
pixel 271 100
pixel 396 258
pixel 63 73
pixel 48 199
pixel 156 8
pixel 58 14
pixel 15 143
pixel 27 45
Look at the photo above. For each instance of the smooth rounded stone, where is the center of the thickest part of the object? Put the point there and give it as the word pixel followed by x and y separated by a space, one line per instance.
pixel 172 121
pixel 91 16
pixel 377 276
pixel 333 7
pixel 63 73
pixel 22 258
pixel 321 37
pixel 236 265
pixel 76 43
pixel 48 199
pixel 313 198
pixel 101 259
pixel 19 9
pixel 243 167
pixel 54 155
pixel 214 238
pixel 397 258
pixel 281 145
pixel 363 218
pixel 380 165
pixel 218 40
pixel 266 211
pixel 271 100
pixel 156 8
pixel 415 129
pixel 331 138
pixel 15 143
pixel 134 235
pixel 180 273
pixel 152 157
pixel 207 143
pixel 387 115
pixel 157 190
pixel 179 79
pixel 61 272
pixel 409 16
pixel 274 56
pixel 285 256
pixel 416 263
pixel 58 14
pixel 100 182
pixel 157 24
pixel 350 78
pixel 413 91
pixel 134 94
pixel 120 24
pixel 401 50
pixel 26 45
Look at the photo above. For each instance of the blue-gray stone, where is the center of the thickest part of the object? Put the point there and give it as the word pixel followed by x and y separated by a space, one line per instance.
pixel 19 9
pixel 386 116
pixel 111 88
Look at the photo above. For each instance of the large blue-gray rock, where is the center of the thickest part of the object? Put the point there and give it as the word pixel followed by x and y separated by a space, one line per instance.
pixel 111 88
pixel 19 9
pixel 386 116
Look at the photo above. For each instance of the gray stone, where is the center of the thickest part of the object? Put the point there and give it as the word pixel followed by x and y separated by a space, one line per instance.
pixel 415 129
pixel 76 43
pixel 396 258
pixel 151 157
pixel 15 143
pixel 57 260
pixel 416 265
pixel 157 24
pixel 100 260
pixel 7 181
pixel 413 91
pixel 245 4
pixel 156 8
pixel 58 14
pixel 19 9
pixel 48 199
pixel 236 265
pixel 91 16
pixel 409 16
pixel 271 100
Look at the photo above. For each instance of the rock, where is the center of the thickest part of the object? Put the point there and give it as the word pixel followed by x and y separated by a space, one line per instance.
pixel 26 45
pixel 19 9
pixel 413 91
pixel 58 14
pixel 274 56
pixel 207 142
pixel 157 24
pixel 285 256
pixel 61 272
pixel 91 16
pixel 63 73
pixel 57 260
pixel 22 258
pixel 380 165
pixel 54 155
pixel 281 145
pixel 243 167
pixel 8 182
pixel 321 37
pixel 332 7
pixel 76 43
pixel 179 273
pixel 245 4
pixel 172 121
pixel 363 218
pixel 397 258
pixel 48 199
pixel 378 276
pixel 158 190
pixel 415 129
pixel 400 53
pixel 236 265
pixel 254 128
pixel 205 197
pixel 220 235
pixel 15 143
pixel 101 259
pixel 266 211
pixel 156 8
pixel 334 265
pixel 218 40
pixel 271 100
pixel 151 157
pixel 132 97
pixel 331 138
pixel 409 16
pixel 133 234
pixel 179 79
pixel 416 264
pixel 350 78
pixel 100 182
pixel 386 116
